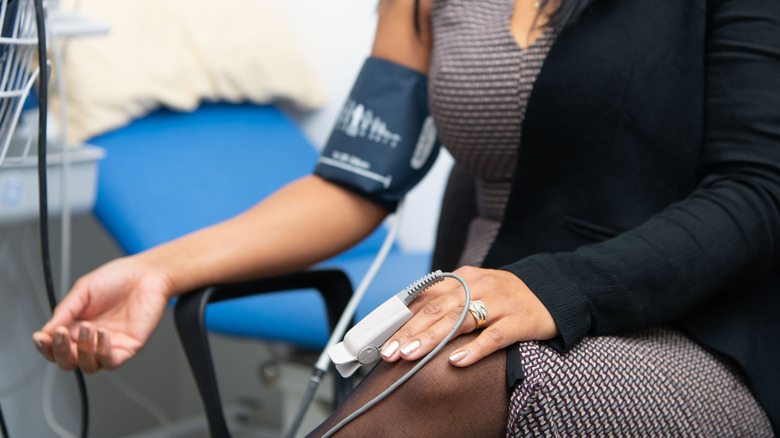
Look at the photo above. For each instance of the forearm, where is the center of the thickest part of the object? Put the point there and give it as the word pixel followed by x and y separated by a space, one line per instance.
pixel 303 223
pixel 723 237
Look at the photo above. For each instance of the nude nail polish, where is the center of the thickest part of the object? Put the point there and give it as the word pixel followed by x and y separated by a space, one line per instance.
pixel 58 338
pixel 458 356
pixel 390 349
pixel 83 334
pixel 410 347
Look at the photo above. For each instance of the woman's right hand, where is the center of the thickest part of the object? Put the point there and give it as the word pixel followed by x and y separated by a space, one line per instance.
pixel 106 318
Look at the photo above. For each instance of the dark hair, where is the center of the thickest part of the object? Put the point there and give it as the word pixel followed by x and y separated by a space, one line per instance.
pixel 566 14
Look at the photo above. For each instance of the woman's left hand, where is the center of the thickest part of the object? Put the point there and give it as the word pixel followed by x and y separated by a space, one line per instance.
pixel 514 314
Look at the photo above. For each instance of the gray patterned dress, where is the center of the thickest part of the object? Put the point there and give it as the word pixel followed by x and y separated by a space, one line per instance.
pixel 653 383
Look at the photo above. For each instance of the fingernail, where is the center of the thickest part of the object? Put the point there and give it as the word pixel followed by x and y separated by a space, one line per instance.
pixel 58 338
pixel 101 337
pixel 390 349
pixel 458 356
pixel 38 344
pixel 83 333
pixel 410 347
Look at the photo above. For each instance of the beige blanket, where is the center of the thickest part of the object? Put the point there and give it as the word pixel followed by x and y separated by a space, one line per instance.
pixel 177 53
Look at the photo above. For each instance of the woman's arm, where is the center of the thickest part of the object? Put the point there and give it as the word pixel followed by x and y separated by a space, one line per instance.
pixel 397 40
pixel 303 223
pixel 111 312
pixel 724 235
pixel 306 222
pixel 717 240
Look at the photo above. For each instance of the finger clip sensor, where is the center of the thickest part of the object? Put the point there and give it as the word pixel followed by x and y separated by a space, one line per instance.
pixel 362 343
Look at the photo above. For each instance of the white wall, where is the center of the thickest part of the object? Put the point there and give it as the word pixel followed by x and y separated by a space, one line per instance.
pixel 337 37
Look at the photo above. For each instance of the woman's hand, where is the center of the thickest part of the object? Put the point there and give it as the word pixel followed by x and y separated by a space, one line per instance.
pixel 106 318
pixel 514 314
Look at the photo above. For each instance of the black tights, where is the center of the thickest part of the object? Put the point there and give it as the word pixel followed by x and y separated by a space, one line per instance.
pixel 439 400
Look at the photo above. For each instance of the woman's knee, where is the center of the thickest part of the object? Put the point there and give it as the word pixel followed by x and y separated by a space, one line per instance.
pixel 439 380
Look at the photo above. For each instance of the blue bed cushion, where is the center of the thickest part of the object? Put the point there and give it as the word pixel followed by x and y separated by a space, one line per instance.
pixel 171 173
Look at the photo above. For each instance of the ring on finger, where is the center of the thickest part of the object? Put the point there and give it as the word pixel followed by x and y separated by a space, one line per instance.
pixel 479 312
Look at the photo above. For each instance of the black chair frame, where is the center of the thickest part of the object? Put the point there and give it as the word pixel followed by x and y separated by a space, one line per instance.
pixel 190 313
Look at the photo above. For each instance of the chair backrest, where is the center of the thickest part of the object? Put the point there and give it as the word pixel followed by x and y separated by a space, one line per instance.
pixel 458 208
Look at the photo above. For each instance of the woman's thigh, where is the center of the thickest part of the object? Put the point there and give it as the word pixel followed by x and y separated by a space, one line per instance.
pixel 439 400
pixel 652 383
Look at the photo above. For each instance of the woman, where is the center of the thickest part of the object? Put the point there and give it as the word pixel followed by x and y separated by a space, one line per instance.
pixel 626 158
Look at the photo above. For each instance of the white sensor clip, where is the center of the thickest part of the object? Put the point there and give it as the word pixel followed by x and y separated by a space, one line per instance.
pixel 363 343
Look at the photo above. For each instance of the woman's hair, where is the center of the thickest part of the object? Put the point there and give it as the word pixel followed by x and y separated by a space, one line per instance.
pixel 566 14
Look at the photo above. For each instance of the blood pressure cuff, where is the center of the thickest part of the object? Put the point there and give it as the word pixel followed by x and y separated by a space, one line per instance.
pixel 384 141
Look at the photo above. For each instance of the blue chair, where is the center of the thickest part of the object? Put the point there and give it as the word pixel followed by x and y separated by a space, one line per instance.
pixel 171 173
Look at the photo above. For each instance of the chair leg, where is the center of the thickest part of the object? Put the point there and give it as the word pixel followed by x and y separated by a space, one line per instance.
pixel 342 388
pixel 190 313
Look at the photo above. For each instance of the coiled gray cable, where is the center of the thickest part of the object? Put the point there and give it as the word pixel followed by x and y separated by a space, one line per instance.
pixel 413 290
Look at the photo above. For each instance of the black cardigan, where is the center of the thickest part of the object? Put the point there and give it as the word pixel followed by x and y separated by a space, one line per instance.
pixel 647 188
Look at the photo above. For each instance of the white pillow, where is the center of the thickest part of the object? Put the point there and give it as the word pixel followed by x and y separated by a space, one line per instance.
pixel 177 53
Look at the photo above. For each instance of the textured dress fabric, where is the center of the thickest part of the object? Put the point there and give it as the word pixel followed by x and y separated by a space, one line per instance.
pixel 653 383
pixel 483 79
pixel 656 383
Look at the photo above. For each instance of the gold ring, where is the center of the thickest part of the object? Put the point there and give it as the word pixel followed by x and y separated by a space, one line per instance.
pixel 479 312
